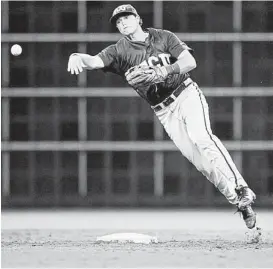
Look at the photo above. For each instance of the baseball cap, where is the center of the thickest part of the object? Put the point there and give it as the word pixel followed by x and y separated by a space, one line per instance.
pixel 122 10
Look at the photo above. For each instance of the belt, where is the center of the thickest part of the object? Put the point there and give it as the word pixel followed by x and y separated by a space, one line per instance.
pixel 170 99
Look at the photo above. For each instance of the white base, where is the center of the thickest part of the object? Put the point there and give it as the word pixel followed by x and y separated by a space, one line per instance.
pixel 128 238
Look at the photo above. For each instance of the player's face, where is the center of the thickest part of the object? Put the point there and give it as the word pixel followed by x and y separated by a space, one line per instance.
pixel 127 24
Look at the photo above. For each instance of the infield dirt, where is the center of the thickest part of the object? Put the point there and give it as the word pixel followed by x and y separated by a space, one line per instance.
pixel 208 246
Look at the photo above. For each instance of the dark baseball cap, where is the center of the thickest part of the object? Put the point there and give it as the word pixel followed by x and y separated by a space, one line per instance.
pixel 122 10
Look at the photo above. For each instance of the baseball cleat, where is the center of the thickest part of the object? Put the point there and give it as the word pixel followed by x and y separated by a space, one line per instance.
pixel 246 197
pixel 249 217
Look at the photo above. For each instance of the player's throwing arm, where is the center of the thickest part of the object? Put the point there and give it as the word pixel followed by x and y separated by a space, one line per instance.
pixel 79 61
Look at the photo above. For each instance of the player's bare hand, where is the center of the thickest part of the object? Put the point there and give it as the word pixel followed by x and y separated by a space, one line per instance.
pixel 75 64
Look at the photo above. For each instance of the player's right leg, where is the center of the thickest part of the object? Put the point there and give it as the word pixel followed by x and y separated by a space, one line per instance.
pixel 184 121
pixel 221 171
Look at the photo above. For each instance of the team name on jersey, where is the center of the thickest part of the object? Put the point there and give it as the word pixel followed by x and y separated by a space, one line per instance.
pixel 161 59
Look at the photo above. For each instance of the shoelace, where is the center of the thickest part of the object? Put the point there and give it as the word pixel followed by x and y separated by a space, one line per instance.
pixel 244 194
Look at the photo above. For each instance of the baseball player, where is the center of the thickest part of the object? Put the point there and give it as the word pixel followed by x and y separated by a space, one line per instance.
pixel 157 64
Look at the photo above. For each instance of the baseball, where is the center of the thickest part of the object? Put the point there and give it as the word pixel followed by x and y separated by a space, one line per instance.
pixel 16 50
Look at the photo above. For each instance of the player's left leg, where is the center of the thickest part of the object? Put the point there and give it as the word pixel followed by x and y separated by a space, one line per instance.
pixel 221 170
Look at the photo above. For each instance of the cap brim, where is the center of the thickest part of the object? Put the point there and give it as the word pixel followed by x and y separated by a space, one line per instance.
pixel 113 19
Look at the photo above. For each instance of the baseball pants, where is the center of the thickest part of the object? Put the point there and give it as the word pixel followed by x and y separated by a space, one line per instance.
pixel 187 123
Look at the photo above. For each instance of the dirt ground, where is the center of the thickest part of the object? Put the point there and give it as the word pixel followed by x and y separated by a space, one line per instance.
pixel 186 239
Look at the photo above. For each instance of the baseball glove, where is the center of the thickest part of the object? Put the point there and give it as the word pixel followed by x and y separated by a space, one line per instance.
pixel 143 76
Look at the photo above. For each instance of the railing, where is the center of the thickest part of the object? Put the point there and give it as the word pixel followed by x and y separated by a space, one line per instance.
pixel 113 37
pixel 127 92
pixel 124 146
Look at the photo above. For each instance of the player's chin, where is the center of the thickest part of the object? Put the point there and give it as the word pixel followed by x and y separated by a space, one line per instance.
pixel 127 31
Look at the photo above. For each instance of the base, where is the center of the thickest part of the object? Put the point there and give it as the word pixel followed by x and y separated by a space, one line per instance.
pixel 128 238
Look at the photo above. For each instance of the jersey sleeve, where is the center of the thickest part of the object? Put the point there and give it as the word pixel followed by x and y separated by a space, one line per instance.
pixel 174 45
pixel 108 55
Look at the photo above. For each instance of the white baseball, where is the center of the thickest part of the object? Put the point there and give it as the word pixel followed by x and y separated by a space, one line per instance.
pixel 16 50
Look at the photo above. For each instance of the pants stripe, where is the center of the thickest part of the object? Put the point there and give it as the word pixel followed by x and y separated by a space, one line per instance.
pixel 209 133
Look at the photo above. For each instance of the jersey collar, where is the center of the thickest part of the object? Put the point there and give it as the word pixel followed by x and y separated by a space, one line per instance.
pixel 143 43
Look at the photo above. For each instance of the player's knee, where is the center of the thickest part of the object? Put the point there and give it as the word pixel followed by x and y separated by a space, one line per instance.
pixel 201 140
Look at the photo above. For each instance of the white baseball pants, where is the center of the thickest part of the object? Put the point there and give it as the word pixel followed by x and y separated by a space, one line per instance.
pixel 187 122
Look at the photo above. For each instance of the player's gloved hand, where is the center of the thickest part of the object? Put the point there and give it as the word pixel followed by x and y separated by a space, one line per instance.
pixel 142 76
pixel 75 64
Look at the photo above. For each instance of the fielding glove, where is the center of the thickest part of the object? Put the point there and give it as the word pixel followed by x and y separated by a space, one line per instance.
pixel 143 76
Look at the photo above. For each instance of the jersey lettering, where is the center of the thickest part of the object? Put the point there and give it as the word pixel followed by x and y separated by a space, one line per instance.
pixel 153 61
pixel 163 59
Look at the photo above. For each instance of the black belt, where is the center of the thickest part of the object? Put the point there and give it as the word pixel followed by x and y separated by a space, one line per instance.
pixel 170 99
